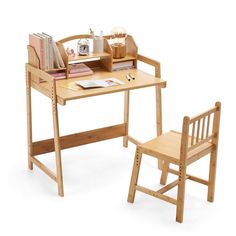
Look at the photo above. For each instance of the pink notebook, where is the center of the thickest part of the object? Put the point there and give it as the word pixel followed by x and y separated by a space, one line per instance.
pixel 37 42
pixel 77 68
pixel 62 75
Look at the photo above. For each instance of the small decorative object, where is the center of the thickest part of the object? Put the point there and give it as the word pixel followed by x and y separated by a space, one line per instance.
pixel 83 47
pixel 118 36
pixel 70 52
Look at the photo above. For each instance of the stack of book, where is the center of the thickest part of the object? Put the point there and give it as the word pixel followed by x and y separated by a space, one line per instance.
pixel 47 51
pixel 75 70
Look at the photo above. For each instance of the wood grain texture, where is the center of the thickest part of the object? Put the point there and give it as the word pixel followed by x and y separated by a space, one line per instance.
pixel 142 80
pixel 167 147
pixel 78 139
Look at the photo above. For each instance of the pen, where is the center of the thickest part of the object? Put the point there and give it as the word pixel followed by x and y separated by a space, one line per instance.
pixel 128 77
pixel 131 76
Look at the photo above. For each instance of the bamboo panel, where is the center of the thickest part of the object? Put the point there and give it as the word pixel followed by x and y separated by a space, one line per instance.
pixel 77 139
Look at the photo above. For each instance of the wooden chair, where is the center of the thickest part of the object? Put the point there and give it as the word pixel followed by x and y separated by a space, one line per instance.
pixel 199 137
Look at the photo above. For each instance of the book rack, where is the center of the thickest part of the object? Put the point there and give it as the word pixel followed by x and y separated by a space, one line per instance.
pixel 95 61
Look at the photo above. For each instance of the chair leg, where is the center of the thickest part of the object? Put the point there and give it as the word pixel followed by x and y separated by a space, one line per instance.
pixel 181 194
pixel 134 177
pixel 212 176
pixel 164 173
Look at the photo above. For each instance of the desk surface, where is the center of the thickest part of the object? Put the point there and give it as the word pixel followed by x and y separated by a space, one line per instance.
pixel 142 79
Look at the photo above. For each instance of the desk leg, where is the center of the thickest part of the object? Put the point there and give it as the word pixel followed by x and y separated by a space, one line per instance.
pixel 29 118
pixel 57 139
pixel 159 118
pixel 126 118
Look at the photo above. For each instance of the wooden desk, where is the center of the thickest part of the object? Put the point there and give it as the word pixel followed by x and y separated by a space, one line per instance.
pixel 57 94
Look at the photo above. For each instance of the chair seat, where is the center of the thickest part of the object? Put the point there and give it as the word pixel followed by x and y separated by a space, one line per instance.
pixel 167 147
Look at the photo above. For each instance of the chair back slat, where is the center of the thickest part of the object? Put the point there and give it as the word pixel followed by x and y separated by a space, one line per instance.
pixel 201 128
pixel 193 132
pixel 208 124
pixel 198 130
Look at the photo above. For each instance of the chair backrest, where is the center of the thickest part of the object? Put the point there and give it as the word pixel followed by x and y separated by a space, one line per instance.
pixel 200 129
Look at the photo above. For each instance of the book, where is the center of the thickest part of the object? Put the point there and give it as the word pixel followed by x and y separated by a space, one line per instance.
pixel 101 83
pixel 56 62
pixel 122 65
pixel 80 67
pixel 62 75
pixel 46 50
pixel 58 55
pixel 37 43
pixel 50 50
pixel 55 59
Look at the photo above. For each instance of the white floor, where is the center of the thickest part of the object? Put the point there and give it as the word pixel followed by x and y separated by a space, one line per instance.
pixel 96 181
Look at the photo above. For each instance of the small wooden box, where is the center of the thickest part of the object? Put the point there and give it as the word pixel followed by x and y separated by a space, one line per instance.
pixel 118 50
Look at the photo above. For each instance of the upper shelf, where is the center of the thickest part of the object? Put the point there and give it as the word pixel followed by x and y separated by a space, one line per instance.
pixel 126 58
pixel 102 60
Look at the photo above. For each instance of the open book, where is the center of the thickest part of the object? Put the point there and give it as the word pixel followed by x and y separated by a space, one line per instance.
pixel 101 83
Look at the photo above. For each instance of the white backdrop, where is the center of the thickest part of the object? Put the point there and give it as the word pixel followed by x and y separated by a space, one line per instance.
pixel 195 43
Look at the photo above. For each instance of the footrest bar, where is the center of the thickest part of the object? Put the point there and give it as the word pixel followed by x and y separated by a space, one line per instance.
pixel 77 139
pixel 199 180
pixel 168 187
pixel 156 194
pixel 133 140
pixel 191 177
pixel 41 166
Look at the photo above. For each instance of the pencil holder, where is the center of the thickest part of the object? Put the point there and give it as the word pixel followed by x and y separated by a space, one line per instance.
pixel 98 44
